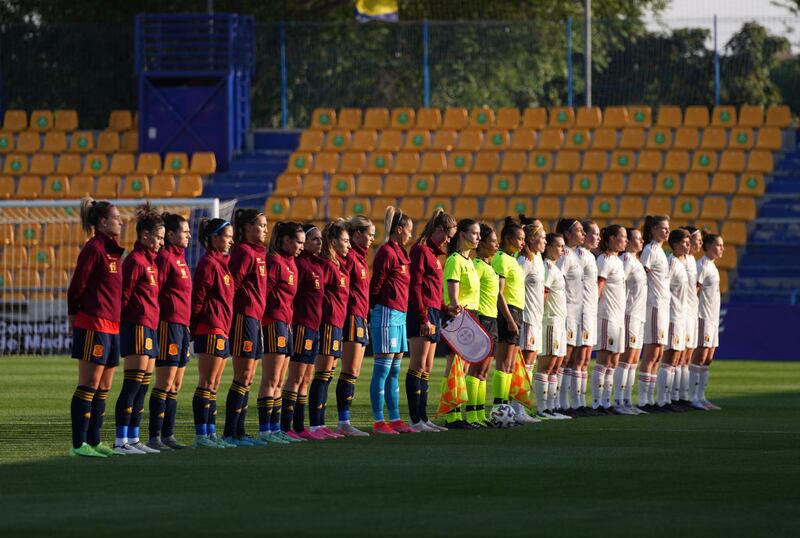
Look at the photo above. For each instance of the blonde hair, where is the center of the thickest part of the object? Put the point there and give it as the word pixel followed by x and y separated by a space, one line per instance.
pixel 439 219
pixel 91 212
pixel 333 230
pixel 358 223
pixel 393 219
pixel 530 231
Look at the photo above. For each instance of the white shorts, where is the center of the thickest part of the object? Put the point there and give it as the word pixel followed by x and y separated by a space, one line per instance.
pixel 530 337
pixel 677 335
pixel 656 325
pixel 587 336
pixel 707 333
pixel 634 333
pixel 691 332
pixel 572 327
pixel 554 338
pixel 611 336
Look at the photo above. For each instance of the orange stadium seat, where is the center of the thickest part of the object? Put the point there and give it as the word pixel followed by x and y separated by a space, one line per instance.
pixel 514 162
pixel 302 209
pixel 122 164
pixel 434 203
pixel 605 138
pixel 56 187
pixel 130 141
pixel 120 120
pixel 568 161
pixel 742 208
pixel 107 186
pixel 659 138
pixel 376 118
pixel 364 140
pixel 496 139
pixel 395 185
pixel 669 116
pixel 576 206
pixel 534 118
pixel 734 232
pixel 556 185
pixel 562 117
pixel 299 163
pixel 323 119
pixel 65 120
pixel 42 164
pixel 95 164
pixel 640 116
pixel 414 208
pixel 529 184
pixel 79 186
pixel 751 184
pixel 135 186
pixel 6 187
pixel 686 207
pixel 55 142
pixel 760 161
pixel 108 142
pixel 349 119
pixel 548 207
pixel 470 140
pixel 724 116
pixel 732 160
pixel 714 138
pixel 622 161
pixel 722 183
pixel 603 208
pixel 704 161
pixel 342 185
pixel 81 142
pixel 369 185
pixel 696 116
pixel 584 184
pixel 15 165
pixel 15 121
pixel 390 140
pixel 508 118
pixel 324 162
pixel 612 183
pixel 417 140
pixel 311 140
pixel 631 208
pixel 6 142
pixel 41 121
pixel 741 138
pixel 481 118
pixel 686 138
pixel 616 117
pixel 550 139
pixel 335 140
pixel 421 185
pixel 589 117
pixel 751 116
pixel 276 208
pixel 444 140
pixel 468 207
pixel 676 161
pixel 486 162
pixel 29 187
pixel 455 118
pixel 577 138
pixel 429 119
pixel 778 116
pixel 28 142
pixel 695 184
pixel 459 161
pixel 189 186
pixel 406 163
pixel 649 161
pixel 769 138
pixel 287 185
pixel 162 186
pixel 312 186
pixel 595 161
pixel 524 139
pixel 540 161
pixel 402 118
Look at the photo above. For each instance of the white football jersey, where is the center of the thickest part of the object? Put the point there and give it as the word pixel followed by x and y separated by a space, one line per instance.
pixel 590 292
pixel 571 268
pixel 709 299
pixel 691 274
pixel 678 290
pixel 534 289
pixel 635 287
pixel 555 304
pixel 612 302
pixel 654 262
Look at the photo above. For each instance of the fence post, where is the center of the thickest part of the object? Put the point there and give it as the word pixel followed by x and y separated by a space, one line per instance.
pixel 284 83
pixel 426 70
pixel 716 65
pixel 569 61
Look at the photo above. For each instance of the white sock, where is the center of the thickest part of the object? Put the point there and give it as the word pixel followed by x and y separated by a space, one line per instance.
pixel 598 382
pixel 652 389
pixel 607 389
pixel 584 377
pixel 644 388
pixel 628 395
pixel 703 383
pixel 684 394
pixel 540 391
pixel 694 382
pixel 120 441
pixel 675 391
pixel 552 392
pixel 620 384
pixel 564 383
pixel 662 383
pixel 574 392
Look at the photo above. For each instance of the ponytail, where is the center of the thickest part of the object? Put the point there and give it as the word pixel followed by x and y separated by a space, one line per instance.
pixel 209 228
pixel 147 219
pixel 281 230
pixel 462 226
pixel 439 219
pixel 606 234
pixel 510 228
pixel 394 219
pixel 91 212
pixel 241 218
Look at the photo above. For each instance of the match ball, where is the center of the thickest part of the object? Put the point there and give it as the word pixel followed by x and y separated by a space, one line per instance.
pixel 502 416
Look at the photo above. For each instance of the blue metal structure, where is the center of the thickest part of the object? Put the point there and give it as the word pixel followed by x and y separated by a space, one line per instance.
pixel 194 75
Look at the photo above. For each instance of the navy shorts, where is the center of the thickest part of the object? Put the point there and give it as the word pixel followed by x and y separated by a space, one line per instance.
pixel 278 338
pixel 173 344
pixel 330 341
pixel 414 324
pixel 306 344
pixel 212 344
pixel 138 340
pixel 95 347
pixel 355 330
pixel 504 334
pixel 246 337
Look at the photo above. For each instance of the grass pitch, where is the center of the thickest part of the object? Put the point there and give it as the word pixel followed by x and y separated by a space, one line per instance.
pixel 728 473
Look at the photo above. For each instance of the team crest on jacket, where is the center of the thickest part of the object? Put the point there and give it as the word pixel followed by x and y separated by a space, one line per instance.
pixel 342 283
pixel 112 267
pixel 363 273
pixel 227 279
pixel 403 269
pixel 151 276
pixel 291 279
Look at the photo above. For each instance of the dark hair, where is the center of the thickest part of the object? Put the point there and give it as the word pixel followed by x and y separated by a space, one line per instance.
pixel 332 230
pixel 708 240
pixel 510 228
pixel 551 238
pixel 630 230
pixel 439 219
pixel 172 223
pixel 241 218
pixel 394 219
pixel 209 228
pixel 462 226
pixel 650 222
pixel 676 236
pixel 308 226
pixel 563 226
pixel 587 223
pixel 281 230
pixel 147 219
pixel 525 221
pixel 606 234
pixel 691 229
pixel 92 211
pixel 486 231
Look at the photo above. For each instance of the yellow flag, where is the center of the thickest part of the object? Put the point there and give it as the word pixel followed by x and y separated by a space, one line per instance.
pixel 454 388
pixel 521 383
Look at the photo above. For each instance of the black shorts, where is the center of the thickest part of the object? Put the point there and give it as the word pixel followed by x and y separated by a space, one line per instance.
pixel 278 338
pixel 504 335
pixel 246 338
pixel 414 324
pixel 173 344
pixel 490 326
pixel 137 340
pixel 330 341
pixel 306 344
pixel 212 344
pixel 95 347
pixel 355 330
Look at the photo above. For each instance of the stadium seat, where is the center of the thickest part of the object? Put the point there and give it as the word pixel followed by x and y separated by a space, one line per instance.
pixel 769 138
pixel 562 117
pixel 41 257
pixel 6 187
pixel 128 236
pixel 548 208
pixel 584 184
pixel 323 119
pixel 659 138
pixel 734 232
pixel 729 259
pixel 130 141
pixel 29 234
pixel 603 207
pixel 676 161
pixel 65 120
pixel 724 116
pixel 107 186
pixel 15 121
pixel 695 184
pixel 568 161
pixel 421 185
pixel 406 163
pixel 760 161
pixel 15 165
pixel 429 119
pixel 605 138
pixel 751 184
pixel 74 187
pixel 376 118
pixel 369 185
pixel 395 185
pixel 415 208
pixel 363 206
pixel 433 162
pixel 612 184
pixel 686 208
pixel 41 121
pixel 108 142
pixel 722 184
pixel 508 118
pixel 135 186
pixel 742 208
pixel 704 161
pixel 302 209
pixel 742 138
pixel 649 161
pixel 504 185
pixel 29 187
pixel 528 184
pixel 311 141
pixel 540 161
pixel 481 118
pixel 390 140
pixel 778 116
pixel 27 278
pixel 335 140
pixel 494 208
pixel 277 208
pixel 455 118
pixel 120 120
pixel 686 138
pixel 312 186
pixel 576 207
pixel 520 205
pixel 470 140
pixel 28 142
pixel 434 203
pixel 459 161
pixel 95 164
pixel 523 139
pixel 496 139
pixel 54 142
pixel 622 161
pixel 751 116
pixel 577 138
pixel 325 162
pixel 15 257
pixel 669 116
pixel 468 207
pixel 42 164
pixel 81 142
pixel 534 118
pixel 640 116
pixel 342 185
pixel 731 160
pixel 615 117
pixel 714 138
pixel 486 162
pixel 56 233
pixel 589 117
pixel 330 209
pixel 299 163
pixel 6 142
pixel 696 116
pixel 449 185
pixel 417 140
pixel 444 140
pixel 594 161
pixel 474 185
pixel 162 186
pixel 349 119
pixel 659 205
pixel 203 163
pixel 514 162
pixel 556 185
pixel 364 140
pixel 122 164
pixel 550 140
pixel 189 186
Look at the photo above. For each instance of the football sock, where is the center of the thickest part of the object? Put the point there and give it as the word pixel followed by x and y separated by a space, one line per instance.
pixel 423 396
pixel 377 386
pixel 345 391
pixel 80 412
pixel 540 391
pixel 299 419
pixel 473 385
pixel 170 411
pixel 233 407
pixel 663 383
pixel 628 395
pixel 684 394
pixel 608 387
pixel 565 381
pixel 212 413
pixel 481 403
pixel 124 406
pixel 598 382
pixel 552 392
pixel 275 419
pixel 158 406
pixel 138 407
pixel 264 405
pixel 96 420
pixel 315 398
pixel 392 390
pixel 289 407
pixel 325 392
pixel 584 378
pixel 413 392
pixel 703 383
pixel 694 382
pixel 620 382
pixel 200 407
pixel 241 424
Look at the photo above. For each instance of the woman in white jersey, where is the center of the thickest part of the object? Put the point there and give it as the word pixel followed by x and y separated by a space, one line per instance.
pixel 610 316
pixel 530 339
pixel 708 322
pixel 656 323
pixel 635 312
pixel 554 318
pixel 676 340
pixel 587 327
pixel 680 387
pixel 572 269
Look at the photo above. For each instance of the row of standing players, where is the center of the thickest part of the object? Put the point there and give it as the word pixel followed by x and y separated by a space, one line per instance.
pixel 301 304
